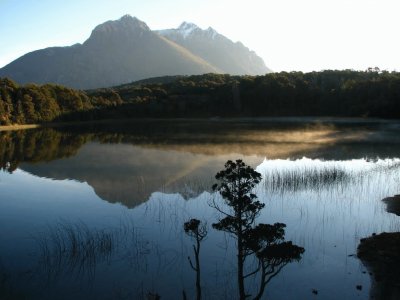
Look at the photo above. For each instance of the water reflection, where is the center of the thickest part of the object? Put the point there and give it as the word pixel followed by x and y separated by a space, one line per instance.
pixel 127 163
pixel 327 221
pixel 75 250
pixel 165 179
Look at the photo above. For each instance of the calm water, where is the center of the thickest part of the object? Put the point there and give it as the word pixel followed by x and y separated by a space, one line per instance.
pixel 121 193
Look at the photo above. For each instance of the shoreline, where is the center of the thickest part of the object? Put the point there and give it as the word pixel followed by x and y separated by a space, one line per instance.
pixel 318 120
pixel 380 255
pixel 19 127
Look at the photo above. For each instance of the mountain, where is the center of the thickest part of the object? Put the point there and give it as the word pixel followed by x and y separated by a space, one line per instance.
pixel 221 52
pixel 126 50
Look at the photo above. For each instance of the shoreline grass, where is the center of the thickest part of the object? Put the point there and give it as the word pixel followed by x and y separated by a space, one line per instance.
pixel 312 178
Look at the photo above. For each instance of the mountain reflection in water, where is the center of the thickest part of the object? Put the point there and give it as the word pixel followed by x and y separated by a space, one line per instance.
pixel 128 164
pixel 161 173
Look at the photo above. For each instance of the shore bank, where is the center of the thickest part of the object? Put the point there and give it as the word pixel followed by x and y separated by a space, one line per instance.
pixel 380 254
pixel 294 120
pixel 19 127
pixel 393 205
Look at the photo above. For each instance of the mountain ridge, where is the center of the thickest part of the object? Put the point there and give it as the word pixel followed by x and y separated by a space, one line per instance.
pixel 116 52
pixel 233 57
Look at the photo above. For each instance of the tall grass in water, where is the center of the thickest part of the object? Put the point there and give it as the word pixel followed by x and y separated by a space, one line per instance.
pixel 282 176
pixel 67 248
pixel 305 178
pixel 74 248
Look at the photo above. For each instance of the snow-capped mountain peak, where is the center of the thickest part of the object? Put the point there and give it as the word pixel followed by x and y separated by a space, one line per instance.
pixel 233 58
pixel 212 32
pixel 189 30
pixel 185 29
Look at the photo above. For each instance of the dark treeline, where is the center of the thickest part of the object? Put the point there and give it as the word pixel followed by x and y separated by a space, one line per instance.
pixel 37 146
pixel 329 93
pixel 33 103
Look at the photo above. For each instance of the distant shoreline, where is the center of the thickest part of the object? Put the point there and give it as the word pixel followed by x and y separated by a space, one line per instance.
pixel 19 127
pixel 321 120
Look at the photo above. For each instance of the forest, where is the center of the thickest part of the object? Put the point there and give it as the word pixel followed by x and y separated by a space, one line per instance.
pixel 333 93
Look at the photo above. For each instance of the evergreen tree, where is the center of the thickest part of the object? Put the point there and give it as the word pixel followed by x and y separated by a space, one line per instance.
pixel 266 242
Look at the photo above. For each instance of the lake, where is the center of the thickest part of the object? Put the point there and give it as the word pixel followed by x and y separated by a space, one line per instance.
pixel 97 211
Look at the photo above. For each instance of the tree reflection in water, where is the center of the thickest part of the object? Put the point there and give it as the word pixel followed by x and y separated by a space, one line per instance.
pixel 261 249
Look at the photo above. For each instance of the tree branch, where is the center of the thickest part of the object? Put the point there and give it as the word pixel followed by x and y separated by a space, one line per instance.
pixel 191 264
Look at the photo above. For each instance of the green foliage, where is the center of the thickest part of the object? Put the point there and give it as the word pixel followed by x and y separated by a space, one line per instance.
pixel 344 93
pixel 34 104
pixel 329 93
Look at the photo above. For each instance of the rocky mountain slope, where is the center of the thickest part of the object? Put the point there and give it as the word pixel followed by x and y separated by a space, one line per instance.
pixel 126 50
pixel 221 52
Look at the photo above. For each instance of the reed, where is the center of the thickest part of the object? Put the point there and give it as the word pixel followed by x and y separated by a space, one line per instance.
pixel 306 178
pixel 75 248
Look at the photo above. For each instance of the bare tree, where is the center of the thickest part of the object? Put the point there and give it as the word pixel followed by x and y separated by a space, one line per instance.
pixel 198 231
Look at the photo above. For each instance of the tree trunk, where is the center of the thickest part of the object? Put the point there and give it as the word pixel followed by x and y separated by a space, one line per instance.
pixel 242 294
pixel 197 256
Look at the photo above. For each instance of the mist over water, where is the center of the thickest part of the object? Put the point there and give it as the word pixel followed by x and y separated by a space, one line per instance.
pixel 104 218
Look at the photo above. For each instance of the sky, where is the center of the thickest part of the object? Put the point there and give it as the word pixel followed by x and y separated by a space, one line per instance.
pixel 290 35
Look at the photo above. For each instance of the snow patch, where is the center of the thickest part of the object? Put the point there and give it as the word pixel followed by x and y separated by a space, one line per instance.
pixel 187 28
pixel 212 32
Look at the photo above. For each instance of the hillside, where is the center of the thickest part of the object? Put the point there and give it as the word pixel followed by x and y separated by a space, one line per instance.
pixel 126 50
pixel 232 58
pixel 329 93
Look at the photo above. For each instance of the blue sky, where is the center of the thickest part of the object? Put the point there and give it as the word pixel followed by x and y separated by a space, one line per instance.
pixel 289 35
